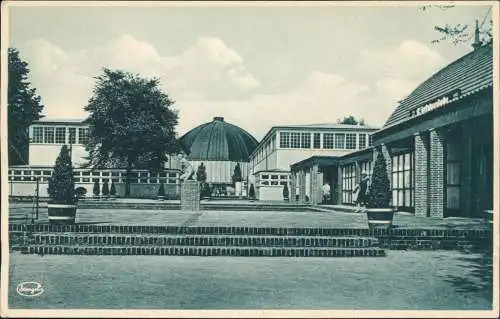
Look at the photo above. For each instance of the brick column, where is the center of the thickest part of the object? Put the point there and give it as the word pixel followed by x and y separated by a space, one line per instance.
pixel 314 185
pixel 421 187
pixel 338 186
pixel 302 187
pixel 293 185
pixel 436 173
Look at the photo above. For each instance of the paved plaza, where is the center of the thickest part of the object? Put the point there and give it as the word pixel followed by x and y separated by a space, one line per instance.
pixel 401 281
pixel 325 216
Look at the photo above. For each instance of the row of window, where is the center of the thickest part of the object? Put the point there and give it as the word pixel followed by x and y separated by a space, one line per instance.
pixel 273 179
pixel 401 175
pixel 348 141
pixel 350 180
pixel 59 135
pixel 90 177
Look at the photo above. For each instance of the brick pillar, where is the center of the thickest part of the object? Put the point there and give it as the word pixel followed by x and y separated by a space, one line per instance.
pixel 421 187
pixel 293 185
pixel 338 186
pixel 436 173
pixel 190 195
pixel 302 186
pixel 314 185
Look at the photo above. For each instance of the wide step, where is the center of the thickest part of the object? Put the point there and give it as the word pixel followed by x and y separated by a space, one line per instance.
pixel 206 251
pixel 201 240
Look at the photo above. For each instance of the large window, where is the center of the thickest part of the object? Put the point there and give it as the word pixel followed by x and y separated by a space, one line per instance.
pixel 402 180
pixel 48 133
pixel 362 141
pixel 37 134
pixel 453 151
pixel 284 140
pixel 366 167
pixel 60 135
pixel 317 140
pixel 72 135
pixel 350 141
pixel 83 135
pixel 305 140
pixel 348 183
pixel 339 140
pixel 370 140
pixel 328 140
pixel 295 140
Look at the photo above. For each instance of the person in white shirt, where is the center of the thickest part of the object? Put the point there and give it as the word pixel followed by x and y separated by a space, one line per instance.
pixel 326 193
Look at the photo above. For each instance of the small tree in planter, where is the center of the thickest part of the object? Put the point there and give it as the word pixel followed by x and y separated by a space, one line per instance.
pixel 237 179
pixel 161 192
pixel 379 213
pixel 112 190
pixel 97 189
pixel 251 192
pixel 286 193
pixel 105 189
pixel 61 189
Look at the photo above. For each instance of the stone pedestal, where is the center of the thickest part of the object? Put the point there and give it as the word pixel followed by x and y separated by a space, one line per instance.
pixel 190 195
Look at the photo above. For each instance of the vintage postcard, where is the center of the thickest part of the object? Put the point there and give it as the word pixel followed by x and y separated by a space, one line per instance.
pixel 249 159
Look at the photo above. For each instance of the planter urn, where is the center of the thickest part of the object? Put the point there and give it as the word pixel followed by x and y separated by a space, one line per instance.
pixel 61 213
pixel 380 218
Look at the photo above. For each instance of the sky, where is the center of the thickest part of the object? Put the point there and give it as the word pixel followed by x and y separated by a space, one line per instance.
pixel 256 66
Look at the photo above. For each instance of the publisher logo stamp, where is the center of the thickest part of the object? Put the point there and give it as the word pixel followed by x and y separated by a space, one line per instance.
pixel 29 289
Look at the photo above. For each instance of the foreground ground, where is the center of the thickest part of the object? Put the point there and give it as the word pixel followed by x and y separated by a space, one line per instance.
pixel 413 280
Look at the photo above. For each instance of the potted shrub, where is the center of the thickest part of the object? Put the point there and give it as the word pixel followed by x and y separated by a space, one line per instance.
pixel 80 192
pixel 105 189
pixel 96 190
pixel 61 189
pixel 237 179
pixel 286 193
pixel 251 193
pixel 112 190
pixel 161 192
pixel 378 211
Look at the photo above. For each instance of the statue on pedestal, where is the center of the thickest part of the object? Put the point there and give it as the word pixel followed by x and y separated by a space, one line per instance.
pixel 186 167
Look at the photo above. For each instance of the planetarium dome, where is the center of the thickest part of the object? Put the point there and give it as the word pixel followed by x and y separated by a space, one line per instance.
pixel 218 141
pixel 220 146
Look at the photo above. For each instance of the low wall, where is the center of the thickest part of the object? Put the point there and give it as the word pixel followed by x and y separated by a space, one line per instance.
pixel 28 189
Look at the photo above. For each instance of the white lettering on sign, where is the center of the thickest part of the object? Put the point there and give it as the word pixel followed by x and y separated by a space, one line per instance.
pixel 436 104
pixel 431 106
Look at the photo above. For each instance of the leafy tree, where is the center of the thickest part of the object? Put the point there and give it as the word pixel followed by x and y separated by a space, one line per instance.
pixel 97 189
pixel 23 107
pixel 379 194
pixel 131 122
pixel 351 120
pixel 251 192
pixel 112 189
pixel 201 173
pixel 464 33
pixel 105 188
pixel 61 187
pixel 237 174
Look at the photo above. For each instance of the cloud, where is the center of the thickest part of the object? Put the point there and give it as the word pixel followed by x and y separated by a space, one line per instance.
pixel 209 79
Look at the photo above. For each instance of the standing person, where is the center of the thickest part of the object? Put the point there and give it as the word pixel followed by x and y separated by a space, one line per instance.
pixel 362 189
pixel 326 192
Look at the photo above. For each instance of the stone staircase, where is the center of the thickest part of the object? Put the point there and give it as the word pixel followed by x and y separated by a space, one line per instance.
pixel 191 241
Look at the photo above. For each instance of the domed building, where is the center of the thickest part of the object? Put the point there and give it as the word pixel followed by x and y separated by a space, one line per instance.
pixel 220 146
